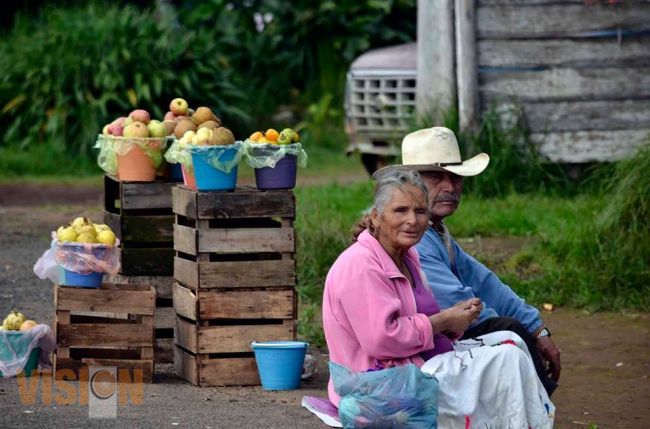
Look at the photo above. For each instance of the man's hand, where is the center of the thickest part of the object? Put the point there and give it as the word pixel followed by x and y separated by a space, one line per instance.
pixel 551 354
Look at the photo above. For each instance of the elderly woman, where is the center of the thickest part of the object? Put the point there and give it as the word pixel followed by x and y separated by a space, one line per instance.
pixel 379 312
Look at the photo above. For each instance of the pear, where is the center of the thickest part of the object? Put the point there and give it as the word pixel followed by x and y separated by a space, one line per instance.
pixel 13 321
pixel 27 325
pixel 87 237
pixel 106 237
pixel 210 124
pixel 222 136
pixel 202 115
pixel 203 137
pixel 183 126
pixel 81 221
pixel 68 234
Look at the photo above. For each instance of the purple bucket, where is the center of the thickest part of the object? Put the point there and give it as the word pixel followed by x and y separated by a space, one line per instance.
pixel 282 176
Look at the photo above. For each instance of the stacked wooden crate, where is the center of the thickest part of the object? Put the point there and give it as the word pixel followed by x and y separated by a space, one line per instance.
pixel 111 326
pixel 235 280
pixel 140 214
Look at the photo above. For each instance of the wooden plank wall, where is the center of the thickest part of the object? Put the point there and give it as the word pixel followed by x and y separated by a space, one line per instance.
pixel 579 71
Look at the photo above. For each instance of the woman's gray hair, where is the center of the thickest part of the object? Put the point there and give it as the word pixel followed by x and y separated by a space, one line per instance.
pixel 391 179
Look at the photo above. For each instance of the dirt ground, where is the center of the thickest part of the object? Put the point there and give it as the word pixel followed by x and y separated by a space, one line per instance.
pixel 605 356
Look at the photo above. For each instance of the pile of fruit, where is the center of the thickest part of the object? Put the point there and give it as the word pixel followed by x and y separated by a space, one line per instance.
pixel 271 136
pixel 83 230
pixel 16 321
pixel 177 122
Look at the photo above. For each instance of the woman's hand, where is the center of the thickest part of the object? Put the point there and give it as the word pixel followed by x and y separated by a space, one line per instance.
pixel 457 318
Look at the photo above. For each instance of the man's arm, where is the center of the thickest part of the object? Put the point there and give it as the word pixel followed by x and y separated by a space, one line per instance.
pixel 493 292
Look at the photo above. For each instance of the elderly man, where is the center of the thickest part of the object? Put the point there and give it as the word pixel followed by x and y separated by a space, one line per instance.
pixel 455 276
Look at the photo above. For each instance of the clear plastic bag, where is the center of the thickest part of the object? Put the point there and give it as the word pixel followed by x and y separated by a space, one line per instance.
pixel 178 153
pixel 223 158
pixel 111 146
pixel 16 346
pixel 397 397
pixel 46 266
pixel 86 258
pixel 260 155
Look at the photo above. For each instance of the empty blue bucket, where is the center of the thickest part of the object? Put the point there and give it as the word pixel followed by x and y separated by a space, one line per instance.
pixel 92 280
pixel 280 363
pixel 282 176
pixel 209 178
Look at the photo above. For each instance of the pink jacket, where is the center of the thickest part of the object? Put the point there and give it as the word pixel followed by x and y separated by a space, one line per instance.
pixel 369 311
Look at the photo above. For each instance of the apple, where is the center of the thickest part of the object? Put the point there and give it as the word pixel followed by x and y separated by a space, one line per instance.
pixel 178 106
pixel 169 126
pixel 140 115
pixel 157 128
pixel 136 130
pixel 105 130
pixel 169 116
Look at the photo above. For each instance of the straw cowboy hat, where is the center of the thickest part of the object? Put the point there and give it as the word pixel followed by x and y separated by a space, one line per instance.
pixel 434 149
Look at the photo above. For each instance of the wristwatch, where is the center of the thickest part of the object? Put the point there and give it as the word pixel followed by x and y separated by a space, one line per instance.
pixel 543 333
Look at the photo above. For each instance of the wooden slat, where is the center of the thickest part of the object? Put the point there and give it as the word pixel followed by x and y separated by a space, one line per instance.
pixel 185 301
pixel 228 339
pixel 186 366
pixel 106 335
pixel 148 229
pixel 110 299
pixel 243 203
pixel 164 318
pixel 582 115
pixel 246 204
pixel 563 52
pixel 466 72
pixel 590 146
pixel 184 202
pixel 186 335
pixel 232 274
pixel 228 372
pixel 145 367
pixel 236 339
pixel 185 239
pixel 187 272
pixel 246 240
pixel 264 304
pixel 154 195
pixel 149 261
pixel 552 20
pixel 114 221
pixel 562 84
pixel 162 284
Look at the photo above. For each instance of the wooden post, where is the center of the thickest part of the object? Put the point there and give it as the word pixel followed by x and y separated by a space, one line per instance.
pixel 466 71
pixel 436 79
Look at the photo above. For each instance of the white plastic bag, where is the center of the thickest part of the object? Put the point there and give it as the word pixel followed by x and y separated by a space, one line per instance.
pixel 46 267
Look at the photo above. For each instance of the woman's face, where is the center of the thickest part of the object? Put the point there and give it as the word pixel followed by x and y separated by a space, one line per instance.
pixel 404 219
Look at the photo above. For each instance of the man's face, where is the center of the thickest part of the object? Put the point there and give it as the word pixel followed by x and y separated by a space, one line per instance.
pixel 444 189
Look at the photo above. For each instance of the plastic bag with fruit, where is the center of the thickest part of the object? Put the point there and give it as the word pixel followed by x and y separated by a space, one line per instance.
pixel 18 339
pixel 85 258
pixel 178 153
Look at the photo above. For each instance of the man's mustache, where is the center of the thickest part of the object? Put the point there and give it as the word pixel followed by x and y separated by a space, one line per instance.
pixel 446 197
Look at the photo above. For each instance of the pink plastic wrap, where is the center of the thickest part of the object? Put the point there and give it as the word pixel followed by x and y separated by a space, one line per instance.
pixel 85 258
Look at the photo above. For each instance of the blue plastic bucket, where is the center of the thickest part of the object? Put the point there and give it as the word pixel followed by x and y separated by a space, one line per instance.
pixel 175 172
pixel 92 280
pixel 282 176
pixel 280 363
pixel 209 178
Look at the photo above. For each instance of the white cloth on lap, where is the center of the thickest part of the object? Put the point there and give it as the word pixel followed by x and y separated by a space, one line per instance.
pixel 486 383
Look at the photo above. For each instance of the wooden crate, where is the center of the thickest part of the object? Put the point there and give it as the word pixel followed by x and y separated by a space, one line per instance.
pixel 108 326
pixel 236 273
pixel 140 215
pixel 215 327
pixel 234 239
pixel 165 317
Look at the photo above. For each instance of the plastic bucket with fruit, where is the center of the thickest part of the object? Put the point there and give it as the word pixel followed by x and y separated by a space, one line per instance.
pixel 20 342
pixel 130 159
pixel 215 167
pixel 275 165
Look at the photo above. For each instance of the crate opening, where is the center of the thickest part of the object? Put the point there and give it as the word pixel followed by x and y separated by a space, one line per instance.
pixel 164 333
pixel 113 318
pixel 164 302
pixel 244 322
pixel 99 353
